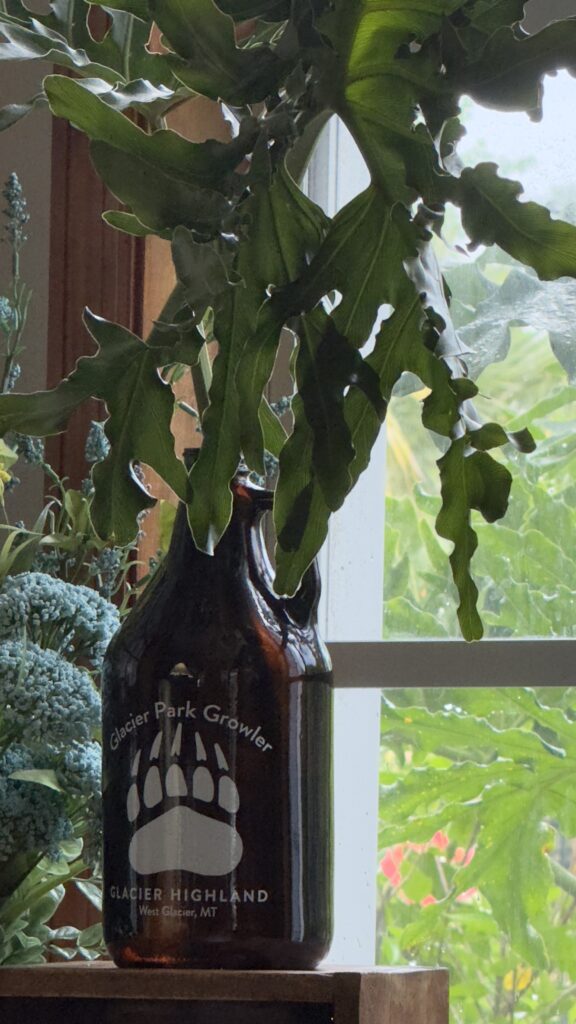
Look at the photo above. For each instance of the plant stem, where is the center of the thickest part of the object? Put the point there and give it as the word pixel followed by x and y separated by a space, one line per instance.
pixel 127 48
pixel 201 373
pixel 202 378
pixel 568 912
pixel 8 361
pixel 442 876
pixel 499 985
pixel 20 301
pixel 174 303
pixel 70 22
pixel 55 479
pixel 563 878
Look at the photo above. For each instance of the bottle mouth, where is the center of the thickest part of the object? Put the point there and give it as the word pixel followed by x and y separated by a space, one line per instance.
pixel 241 478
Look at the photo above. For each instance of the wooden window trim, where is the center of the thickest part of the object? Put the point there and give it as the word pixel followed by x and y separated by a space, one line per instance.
pixel 90 265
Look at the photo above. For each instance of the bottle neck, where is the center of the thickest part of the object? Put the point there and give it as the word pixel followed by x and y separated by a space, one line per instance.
pixel 234 548
pixel 241 556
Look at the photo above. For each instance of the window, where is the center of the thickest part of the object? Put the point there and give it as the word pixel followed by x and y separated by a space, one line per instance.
pixel 394 630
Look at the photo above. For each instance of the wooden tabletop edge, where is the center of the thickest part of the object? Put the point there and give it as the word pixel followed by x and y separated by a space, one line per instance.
pixel 105 981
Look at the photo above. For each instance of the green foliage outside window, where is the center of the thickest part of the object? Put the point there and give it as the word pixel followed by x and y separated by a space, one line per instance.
pixel 524 567
pixel 477 809
pixel 477 860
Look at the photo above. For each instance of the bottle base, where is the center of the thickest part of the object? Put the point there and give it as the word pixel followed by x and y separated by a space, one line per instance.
pixel 258 955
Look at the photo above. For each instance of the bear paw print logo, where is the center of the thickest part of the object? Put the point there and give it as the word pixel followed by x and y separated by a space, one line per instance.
pixel 186 822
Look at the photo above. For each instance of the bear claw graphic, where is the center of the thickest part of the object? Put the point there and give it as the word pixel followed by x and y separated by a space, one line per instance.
pixel 181 837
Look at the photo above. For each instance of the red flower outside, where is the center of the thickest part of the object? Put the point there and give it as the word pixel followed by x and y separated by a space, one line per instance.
pixel 390 865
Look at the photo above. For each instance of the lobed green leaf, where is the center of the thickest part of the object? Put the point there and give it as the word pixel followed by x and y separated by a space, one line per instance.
pixel 138 8
pixel 165 152
pixel 509 70
pixel 14 112
pixel 39 43
pixel 469 481
pixel 493 215
pixel 207 59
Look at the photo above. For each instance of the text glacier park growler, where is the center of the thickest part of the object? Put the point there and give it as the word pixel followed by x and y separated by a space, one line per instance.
pixel 217 763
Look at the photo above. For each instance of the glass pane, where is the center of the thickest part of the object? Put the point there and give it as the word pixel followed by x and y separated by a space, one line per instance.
pixel 520 336
pixel 477 849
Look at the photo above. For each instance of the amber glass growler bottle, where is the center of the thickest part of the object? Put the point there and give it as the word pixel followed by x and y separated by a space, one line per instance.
pixel 217 763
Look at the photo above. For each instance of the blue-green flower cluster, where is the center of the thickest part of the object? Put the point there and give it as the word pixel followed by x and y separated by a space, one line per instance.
pixel 49 711
pixel 30 448
pixel 73 620
pixel 13 376
pixel 80 774
pixel 49 714
pixel 107 566
pixel 7 315
pixel 48 561
pixel 97 444
pixel 43 697
pixel 35 818
pixel 80 770
pixel 282 406
pixel 15 211
pixel 32 817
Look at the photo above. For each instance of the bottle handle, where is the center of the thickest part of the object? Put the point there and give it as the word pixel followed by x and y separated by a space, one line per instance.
pixel 302 607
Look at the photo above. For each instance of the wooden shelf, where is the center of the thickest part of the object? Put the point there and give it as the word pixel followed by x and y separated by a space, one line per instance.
pixel 102 994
